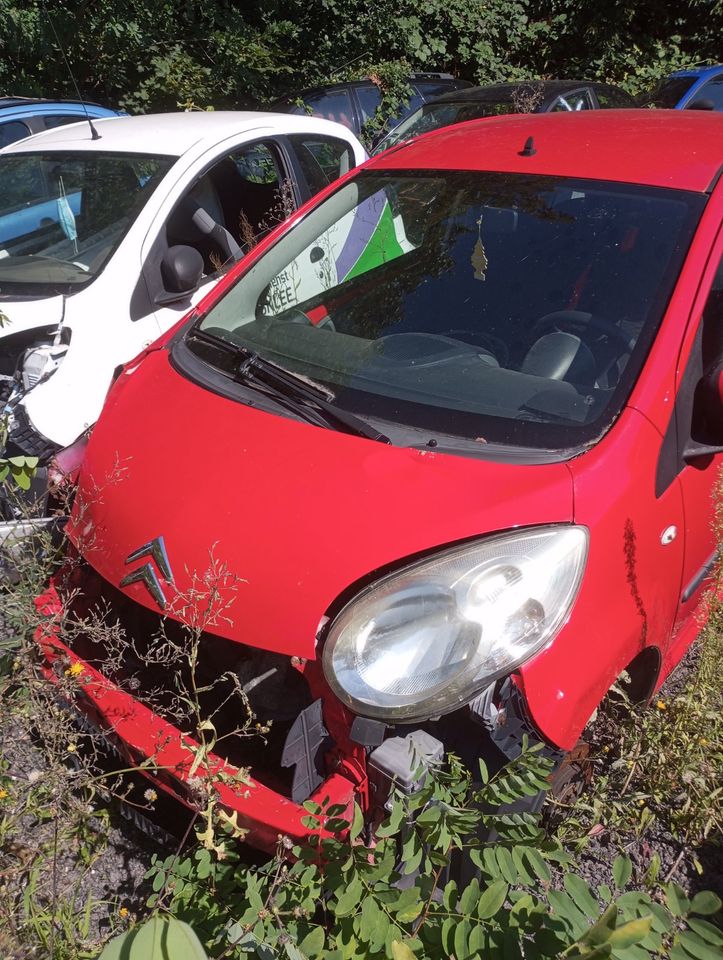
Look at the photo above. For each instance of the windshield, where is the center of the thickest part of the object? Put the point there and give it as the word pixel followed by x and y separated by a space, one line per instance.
pixel 493 307
pixel 431 116
pixel 63 214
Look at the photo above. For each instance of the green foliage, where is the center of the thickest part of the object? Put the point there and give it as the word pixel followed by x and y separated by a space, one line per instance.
pixel 171 54
pixel 343 895
pixel 160 938
pixel 664 762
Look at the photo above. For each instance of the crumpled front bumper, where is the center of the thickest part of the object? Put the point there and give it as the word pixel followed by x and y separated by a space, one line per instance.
pixel 168 758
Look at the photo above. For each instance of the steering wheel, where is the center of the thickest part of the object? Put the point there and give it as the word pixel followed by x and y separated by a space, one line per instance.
pixel 577 322
pixel 296 315
pixel 492 344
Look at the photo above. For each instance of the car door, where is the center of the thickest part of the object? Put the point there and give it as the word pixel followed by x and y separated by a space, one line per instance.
pixel 700 434
pixel 241 192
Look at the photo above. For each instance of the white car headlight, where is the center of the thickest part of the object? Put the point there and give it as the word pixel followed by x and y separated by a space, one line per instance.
pixel 424 640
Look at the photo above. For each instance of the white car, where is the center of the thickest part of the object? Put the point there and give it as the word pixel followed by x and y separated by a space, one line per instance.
pixel 110 233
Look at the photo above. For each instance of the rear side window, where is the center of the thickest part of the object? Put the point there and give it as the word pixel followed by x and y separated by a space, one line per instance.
pixel 429 89
pixel 11 131
pixel 322 159
pixel 60 120
pixel 333 105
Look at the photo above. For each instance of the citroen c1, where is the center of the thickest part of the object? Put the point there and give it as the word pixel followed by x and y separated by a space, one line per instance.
pixel 461 471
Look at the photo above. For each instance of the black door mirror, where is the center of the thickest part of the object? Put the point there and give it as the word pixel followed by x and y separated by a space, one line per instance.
pixel 181 271
pixel 706 437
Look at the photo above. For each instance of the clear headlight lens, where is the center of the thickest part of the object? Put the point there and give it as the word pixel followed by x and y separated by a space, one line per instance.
pixel 425 639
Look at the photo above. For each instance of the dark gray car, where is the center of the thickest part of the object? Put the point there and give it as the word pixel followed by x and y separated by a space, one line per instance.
pixel 530 96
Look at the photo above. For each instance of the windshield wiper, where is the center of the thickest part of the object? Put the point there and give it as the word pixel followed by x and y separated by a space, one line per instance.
pixel 297 394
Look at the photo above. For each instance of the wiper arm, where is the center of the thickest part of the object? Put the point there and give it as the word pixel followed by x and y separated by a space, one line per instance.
pixel 257 368
pixel 296 393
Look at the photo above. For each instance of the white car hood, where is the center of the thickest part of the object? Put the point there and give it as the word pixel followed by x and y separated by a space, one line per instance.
pixel 23 315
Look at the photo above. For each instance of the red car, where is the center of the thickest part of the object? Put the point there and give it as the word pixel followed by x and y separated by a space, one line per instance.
pixel 441 450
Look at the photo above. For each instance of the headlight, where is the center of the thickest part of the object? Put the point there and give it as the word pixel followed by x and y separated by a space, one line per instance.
pixel 424 640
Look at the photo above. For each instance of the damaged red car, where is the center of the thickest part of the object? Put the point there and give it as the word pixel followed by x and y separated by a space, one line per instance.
pixel 432 468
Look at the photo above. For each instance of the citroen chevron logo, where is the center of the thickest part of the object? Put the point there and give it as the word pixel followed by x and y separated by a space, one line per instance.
pixel 156 549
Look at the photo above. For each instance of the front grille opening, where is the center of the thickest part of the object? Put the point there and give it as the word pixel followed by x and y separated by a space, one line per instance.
pixel 251 696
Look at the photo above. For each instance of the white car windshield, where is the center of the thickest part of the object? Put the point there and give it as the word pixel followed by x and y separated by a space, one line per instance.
pixel 63 214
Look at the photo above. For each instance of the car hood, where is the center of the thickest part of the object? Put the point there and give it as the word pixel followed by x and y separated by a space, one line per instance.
pixel 284 518
pixel 24 315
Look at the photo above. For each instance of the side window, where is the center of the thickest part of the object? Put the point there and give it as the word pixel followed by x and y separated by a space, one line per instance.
pixel 11 131
pixel 707 356
pixel 577 100
pixel 369 99
pixel 226 211
pixel 52 121
pixel 712 321
pixel 610 98
pixel 713 90
pixel 322 159
pixel 333 105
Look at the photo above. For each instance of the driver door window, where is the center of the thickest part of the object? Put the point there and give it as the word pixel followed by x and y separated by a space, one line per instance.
pixel 232 205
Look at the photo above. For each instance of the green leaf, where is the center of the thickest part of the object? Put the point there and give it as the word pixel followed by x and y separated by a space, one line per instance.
pixel 349 900
pixel 675 897
pixel 705 903
pixel 580 893
pixel 400 951
pixel 706 930
pixel 357 824
pixel 698 948
pixel 622 871
pixel 160 938
pixel 534 858
pixel 293 952
pixel 632 932
pixel 492 900
pixel 461 934
pixel 600 931
pixel 313 943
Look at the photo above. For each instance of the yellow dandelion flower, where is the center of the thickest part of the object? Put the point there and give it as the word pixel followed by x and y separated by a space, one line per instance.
pixel 123 913
pixel 75 670
pixel 661 705
pixel 3 794
pixel 72 748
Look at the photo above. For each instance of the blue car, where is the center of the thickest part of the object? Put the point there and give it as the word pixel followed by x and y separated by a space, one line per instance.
pixel 698 88
pixel 21 117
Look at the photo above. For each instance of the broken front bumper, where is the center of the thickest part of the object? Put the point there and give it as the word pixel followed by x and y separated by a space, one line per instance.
pixel 169 758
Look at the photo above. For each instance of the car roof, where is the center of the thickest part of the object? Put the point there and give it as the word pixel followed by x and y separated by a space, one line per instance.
pixel 34 106
pixel 696 71
pixel 501 92
pixel 666 148
pixel 171 134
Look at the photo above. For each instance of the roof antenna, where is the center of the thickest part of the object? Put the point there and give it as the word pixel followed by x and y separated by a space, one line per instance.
pixel 94 135
pixel 529 148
